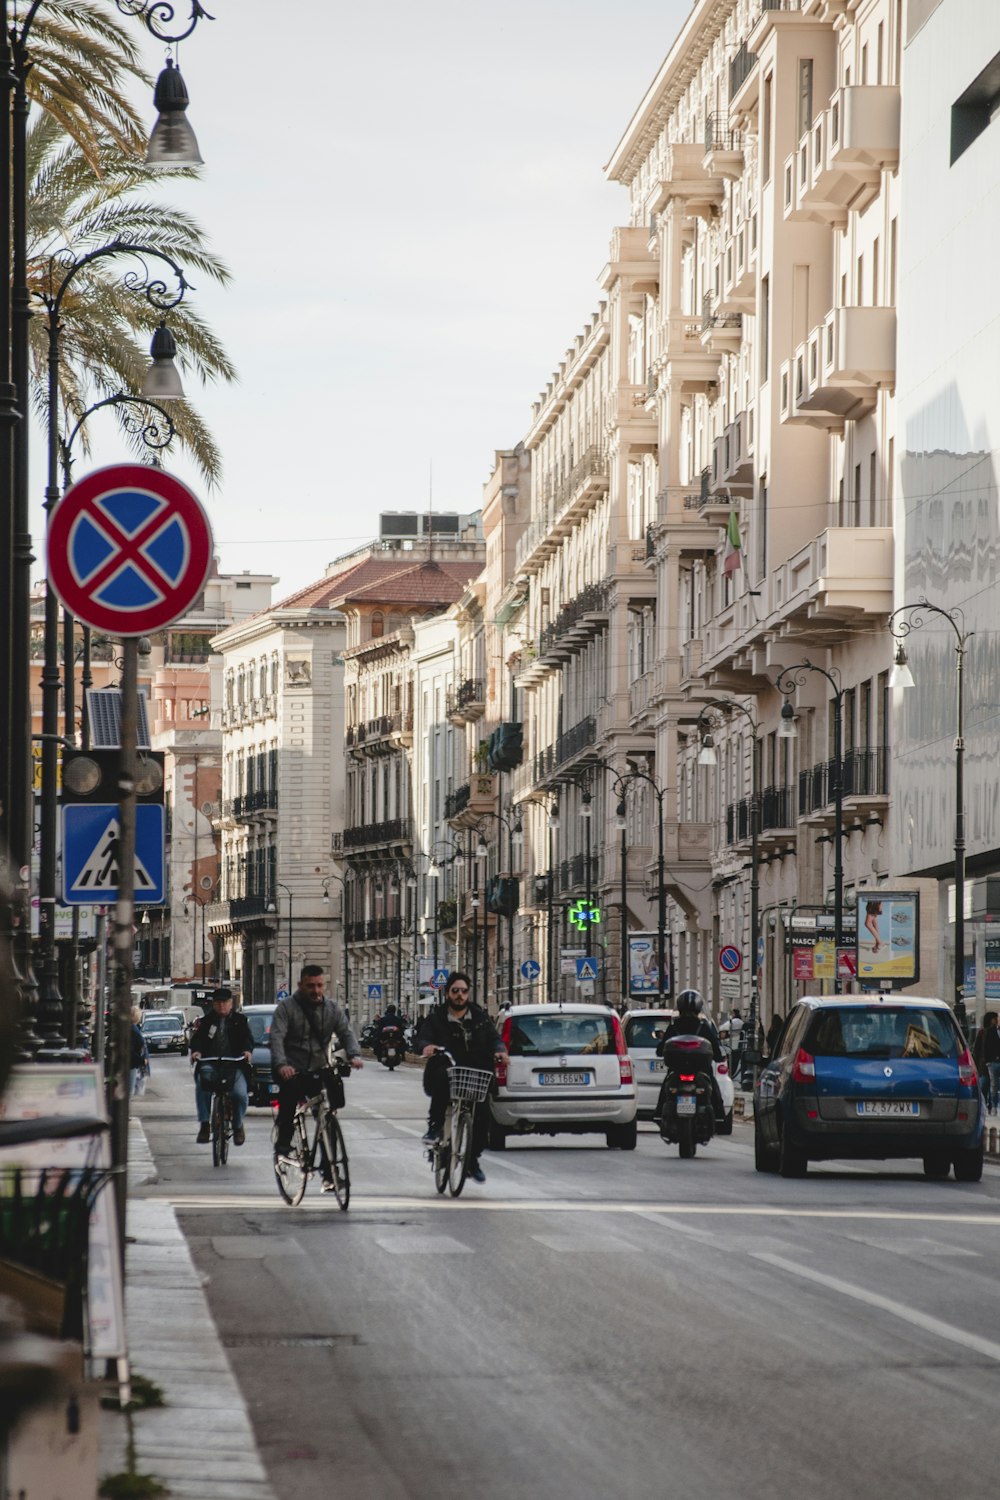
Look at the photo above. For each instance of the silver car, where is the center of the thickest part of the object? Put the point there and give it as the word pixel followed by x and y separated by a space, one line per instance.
pixel 643 1030
pixel 569 1072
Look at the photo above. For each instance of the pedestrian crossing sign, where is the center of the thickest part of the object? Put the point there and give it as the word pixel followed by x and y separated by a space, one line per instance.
pixel 90 854
pixel 586 968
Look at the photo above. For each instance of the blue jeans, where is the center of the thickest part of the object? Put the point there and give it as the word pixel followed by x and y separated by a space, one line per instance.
pixel 993 1070
pixel 204 1081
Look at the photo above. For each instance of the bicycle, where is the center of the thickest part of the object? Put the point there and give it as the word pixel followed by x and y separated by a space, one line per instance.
pixel 221 1116
pixel 292 1175
pixel 450 1156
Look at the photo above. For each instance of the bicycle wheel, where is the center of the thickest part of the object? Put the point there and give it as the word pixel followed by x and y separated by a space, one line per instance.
pixel 441 1155
pixel 291 1175
pixel 226 1133
pixel 461 1150
pixel 218 1131
pixel 334 1155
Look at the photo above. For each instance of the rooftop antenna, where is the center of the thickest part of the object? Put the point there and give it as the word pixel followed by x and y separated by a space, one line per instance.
pixel 430 509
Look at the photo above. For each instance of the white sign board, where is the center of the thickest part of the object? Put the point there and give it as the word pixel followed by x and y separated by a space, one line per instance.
pixel 729 987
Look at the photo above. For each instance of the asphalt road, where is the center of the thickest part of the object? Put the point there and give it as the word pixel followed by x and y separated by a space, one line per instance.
pixel 594 1323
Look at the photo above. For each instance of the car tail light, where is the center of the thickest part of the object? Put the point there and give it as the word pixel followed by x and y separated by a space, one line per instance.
pixel 625 1069
pixel 620 1046
pixel 967 1075
pixel 804 1067
pixel 722 1068
pixel 500 1068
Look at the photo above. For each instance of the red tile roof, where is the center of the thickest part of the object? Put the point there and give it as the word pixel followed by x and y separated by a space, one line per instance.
pixel 380 580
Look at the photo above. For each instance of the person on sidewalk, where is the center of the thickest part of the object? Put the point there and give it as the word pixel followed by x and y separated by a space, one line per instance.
pixel 138 1060
pixel 221 1033
pixel 467 1032
pixel 986 1056
pixel 302 1029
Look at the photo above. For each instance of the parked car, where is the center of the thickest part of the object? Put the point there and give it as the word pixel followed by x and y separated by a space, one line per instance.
pixel 165 1032
pixel 643 1030
pixel 569 1072
pixel 263 1087
pixel 871 1078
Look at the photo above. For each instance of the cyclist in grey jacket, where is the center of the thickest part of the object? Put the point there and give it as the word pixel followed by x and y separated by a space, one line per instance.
pixel 302 1028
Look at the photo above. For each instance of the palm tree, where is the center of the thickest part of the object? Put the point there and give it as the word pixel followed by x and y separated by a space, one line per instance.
pixel 106 328
pixel 81 58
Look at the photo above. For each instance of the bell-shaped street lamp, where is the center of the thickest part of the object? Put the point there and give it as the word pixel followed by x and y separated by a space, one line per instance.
pixel 172 142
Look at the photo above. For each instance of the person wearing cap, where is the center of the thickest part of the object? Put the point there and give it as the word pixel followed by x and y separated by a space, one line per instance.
pixel 221 1033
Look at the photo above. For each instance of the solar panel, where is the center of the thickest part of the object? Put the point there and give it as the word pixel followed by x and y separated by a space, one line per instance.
pixel 104 711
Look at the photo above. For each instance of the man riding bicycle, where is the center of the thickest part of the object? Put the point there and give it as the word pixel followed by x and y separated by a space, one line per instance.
pixel 220 1033
pixel 302 1029
pixel 466 1031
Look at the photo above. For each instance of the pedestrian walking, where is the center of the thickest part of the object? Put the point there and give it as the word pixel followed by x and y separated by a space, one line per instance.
pixel 986 1056
pixel 138 1059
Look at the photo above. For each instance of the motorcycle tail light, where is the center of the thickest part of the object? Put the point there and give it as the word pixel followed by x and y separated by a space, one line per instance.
pixel 967 1075
pixel 804 1067
pixel 625 1069
pixel 687 1078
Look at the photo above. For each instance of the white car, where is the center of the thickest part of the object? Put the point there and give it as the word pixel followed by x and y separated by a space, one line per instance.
pixel 643 1029
pixel 569 1072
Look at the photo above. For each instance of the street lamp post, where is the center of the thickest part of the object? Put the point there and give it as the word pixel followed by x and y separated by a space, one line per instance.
pixel 786 682
pixel 515 838
pixel 713 712
pixel 291 948
pixel 902 620
pixel 621 785
pixel 342 882
pixel 622 821
pixel 553 828
pixel 435 862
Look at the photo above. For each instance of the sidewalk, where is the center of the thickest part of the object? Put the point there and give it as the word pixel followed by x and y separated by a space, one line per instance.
pixel 200 1444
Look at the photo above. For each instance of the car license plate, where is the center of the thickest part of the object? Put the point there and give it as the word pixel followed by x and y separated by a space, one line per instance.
pixel 687 1104
pixel 272 1088
pixel 657 1065
pixel 566 1077
pixel 901 1108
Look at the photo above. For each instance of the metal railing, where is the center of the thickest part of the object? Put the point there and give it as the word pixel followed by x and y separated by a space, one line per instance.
pixel 593 599
pixel 468 693
pixel 457 801
pixel 718 138
pixel 379 728
pixel 392 830
pixel 740 68
pixel 864 773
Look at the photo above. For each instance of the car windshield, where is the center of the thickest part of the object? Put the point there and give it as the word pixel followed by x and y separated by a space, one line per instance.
pixel 882 1031
pixel 161 1023
pixel 260 1026
pixel 645 1031
pixel 574 1035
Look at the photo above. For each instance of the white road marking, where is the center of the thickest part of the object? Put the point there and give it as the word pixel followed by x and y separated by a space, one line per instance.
pixel 911 1315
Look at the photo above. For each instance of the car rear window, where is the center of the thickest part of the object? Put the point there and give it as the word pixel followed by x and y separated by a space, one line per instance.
pixel 259 1028
pixel 645 1031
pixel 161 1023
pixel 545 1036
pixel 882 1031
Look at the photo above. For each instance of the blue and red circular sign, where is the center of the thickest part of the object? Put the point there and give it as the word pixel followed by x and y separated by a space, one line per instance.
pixel 730 959
pixel 129 548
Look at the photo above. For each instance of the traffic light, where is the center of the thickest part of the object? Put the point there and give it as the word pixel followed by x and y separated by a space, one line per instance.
pixel 505 747
pixel 92 776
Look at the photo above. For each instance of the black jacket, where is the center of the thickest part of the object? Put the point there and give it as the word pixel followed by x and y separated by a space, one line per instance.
pixel 684 1026
pixel 472 1042
pixel 239 1038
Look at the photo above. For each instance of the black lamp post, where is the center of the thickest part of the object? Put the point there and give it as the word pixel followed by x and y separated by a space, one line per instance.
pixel 713 712
pixel 786 682
pixel 515 838
pixel 622 822
pixel 553 829
pixel 156 292
pixel 435 863
pixel 342 882
pixel 291 951
pixel 621 784
pixel 902 620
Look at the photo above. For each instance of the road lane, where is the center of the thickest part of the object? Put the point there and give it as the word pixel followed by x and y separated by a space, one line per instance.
pixel 593 1322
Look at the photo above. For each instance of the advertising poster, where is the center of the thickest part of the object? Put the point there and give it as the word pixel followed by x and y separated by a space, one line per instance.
pixel 888 925
pixel 643 969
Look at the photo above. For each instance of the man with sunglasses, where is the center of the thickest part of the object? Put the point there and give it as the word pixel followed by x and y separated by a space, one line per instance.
pixel 466 1031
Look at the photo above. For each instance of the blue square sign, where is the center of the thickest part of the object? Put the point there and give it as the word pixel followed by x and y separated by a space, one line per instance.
pixel 90 854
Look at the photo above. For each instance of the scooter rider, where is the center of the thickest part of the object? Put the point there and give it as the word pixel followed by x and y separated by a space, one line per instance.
pixel 391 1021
pixel 690 1021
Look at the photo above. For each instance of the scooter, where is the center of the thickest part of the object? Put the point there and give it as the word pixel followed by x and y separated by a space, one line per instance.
pixel 391 1051
pixel 687 1117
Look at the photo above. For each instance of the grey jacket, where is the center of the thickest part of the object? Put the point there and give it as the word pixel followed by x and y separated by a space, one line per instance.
pixel 296 1044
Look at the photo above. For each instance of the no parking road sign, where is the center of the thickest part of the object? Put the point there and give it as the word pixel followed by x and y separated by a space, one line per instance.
pixel 730 959
pixel 129 549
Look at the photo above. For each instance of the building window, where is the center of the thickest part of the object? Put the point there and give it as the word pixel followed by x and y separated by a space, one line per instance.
pixel 378 624
pixel 974 110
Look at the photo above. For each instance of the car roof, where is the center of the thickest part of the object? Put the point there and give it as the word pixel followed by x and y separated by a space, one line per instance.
pixel 866 1002
pixel 569 1007
pixel 257 1010
pixel 649 1011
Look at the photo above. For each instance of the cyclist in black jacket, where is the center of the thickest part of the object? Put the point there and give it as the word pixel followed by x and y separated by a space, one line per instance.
pixel 221 1033
pixel 467 1032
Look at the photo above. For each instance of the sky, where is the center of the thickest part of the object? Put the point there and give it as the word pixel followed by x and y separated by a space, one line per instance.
pixel 412 202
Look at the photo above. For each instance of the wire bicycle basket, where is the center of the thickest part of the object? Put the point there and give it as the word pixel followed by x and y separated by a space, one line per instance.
pixel 470 1084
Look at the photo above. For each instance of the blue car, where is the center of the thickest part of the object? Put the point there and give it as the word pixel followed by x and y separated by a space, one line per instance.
pixel 870 1078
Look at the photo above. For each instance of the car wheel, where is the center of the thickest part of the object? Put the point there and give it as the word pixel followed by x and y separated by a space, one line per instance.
pixel 969 1165
pixel 792 1160
pixel 496 1137
pixel 763 1158
pixel 725 1127
pixel 937 1164
pixel 623 1137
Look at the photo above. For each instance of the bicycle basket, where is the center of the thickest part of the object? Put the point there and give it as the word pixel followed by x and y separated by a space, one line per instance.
pixel 472 1084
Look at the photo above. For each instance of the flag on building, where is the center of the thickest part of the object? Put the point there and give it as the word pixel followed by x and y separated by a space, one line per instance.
pixel 733 558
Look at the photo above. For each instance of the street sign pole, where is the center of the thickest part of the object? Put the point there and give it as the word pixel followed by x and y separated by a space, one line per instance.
pixel 123 929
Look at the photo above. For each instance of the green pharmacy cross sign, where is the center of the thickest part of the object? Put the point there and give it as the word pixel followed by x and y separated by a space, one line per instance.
pixel 583 915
